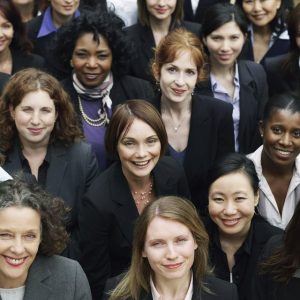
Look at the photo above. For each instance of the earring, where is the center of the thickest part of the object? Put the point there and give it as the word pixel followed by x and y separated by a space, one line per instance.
pixel 157 86
pixel 71 63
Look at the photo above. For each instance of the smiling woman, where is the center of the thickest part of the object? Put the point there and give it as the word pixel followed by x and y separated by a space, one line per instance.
pixel 136 136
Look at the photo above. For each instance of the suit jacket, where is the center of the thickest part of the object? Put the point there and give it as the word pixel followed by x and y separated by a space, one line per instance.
pixel 22 60
pixel 202 6
pixel 220 290
pixel 210 137
pixel 3 80
pixel 143 41
pixel 253 97
pixel 68 177
pixel 56 277
pixel 277 80
pixel 108 215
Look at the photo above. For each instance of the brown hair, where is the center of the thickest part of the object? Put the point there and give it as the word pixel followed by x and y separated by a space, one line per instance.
pixel 143 13
pixel 170 208
pixel 66 127
pixel 122 119
pixel 173 44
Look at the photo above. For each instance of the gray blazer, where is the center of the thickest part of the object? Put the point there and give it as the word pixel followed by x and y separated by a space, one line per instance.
pixel 56 278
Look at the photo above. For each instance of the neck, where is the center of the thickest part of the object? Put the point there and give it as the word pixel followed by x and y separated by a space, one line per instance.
pixel 269 167
pixel 26 11
pixel 160 25
pixel 262 30
pixel 137 183
pixel 5 55
pixel 173 289
pixel 217 69
pixel 176 108
pixel 59 20
pixel 235 239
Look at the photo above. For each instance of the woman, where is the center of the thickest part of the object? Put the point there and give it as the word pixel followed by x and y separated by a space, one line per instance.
pixel 32 231
pixel 240 83
pixel 96 48
pixel 267 36
pixel 277 162
pixel 199 128
pixel 156 20
pixel 39 134
pixel 238 234
pixel 42 32
pixel 279 275
pixel 136 136
pixel 28 9
pixel 283 72
pixel 15 47
pixel 170 256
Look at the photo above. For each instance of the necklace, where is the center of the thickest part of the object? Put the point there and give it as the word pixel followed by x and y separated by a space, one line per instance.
pixel 144 196
pixel 103 119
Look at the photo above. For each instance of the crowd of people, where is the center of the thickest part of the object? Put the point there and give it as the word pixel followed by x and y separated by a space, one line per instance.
pixel 152 152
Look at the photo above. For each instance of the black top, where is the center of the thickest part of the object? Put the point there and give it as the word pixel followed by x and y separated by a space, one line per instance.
pixel 108 215
pixel 144 43
pixel 210 137
pixel 265 288
pixel 3 80
pixel 246 258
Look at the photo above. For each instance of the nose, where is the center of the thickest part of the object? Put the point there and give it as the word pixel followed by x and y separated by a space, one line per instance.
pixel 225 45
pixel 35 119
pixel 161 3
pixel 17 247
pixel 230 208
pixel 92 62
pixel 171 252
pixel 257 5
pixel 285 139
pixel 179 79
pixel 141 151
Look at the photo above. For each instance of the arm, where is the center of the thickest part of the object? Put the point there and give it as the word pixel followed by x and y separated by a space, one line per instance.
pixel 82 287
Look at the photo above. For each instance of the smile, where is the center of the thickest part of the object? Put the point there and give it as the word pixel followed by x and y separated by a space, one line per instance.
pixel 141 164
pixel 15 261
pixel 178 91
pixel 162 10
pixel 35 130
pixel 173 266
pixel 91 76
pixel 285 153
pixel 230 222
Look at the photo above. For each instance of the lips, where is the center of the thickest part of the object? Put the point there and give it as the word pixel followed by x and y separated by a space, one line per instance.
pixel 35 131
pixel 141 164
pixel 224 56
pixel 161 11
pixel 178 91
pixel 173 266
pixel 283 153
pixel 230 222
pixel 15 262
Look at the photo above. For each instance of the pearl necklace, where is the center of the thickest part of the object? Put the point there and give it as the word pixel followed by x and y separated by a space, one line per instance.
pixel 142 197
pixel 102 120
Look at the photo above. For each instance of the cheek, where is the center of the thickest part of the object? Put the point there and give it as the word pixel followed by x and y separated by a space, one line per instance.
pixel 213 209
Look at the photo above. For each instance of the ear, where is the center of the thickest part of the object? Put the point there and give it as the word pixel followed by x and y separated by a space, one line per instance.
pixel 256 199
pixel 12 112
pixel 144 254
pixel 195 246
pixel 71 63
pixel 156 71
pixel 261 128
pixel 204 41
pixel 278 4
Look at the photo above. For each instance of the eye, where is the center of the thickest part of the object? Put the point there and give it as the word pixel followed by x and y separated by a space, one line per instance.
pixel 27 109
pixel 152 141
pixel 103 56
pixel 5 236
pixel 30 236
pixel 276 130
pixel 216 38
pixel 296 133
pixel 171 70
pixel 128 143
pixel 234 37
pixel 240 198
pixel 190 72
pixel 181 240
pixel 218 199
pixel 81 54
pixel 46 110
pixel 156 244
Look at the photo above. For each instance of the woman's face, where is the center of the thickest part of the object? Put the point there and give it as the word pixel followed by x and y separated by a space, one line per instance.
pixel 231 205
pixel 169 247
pixel 261 12
pixel 161 9
pixel 178 78
pixel 6 34
pixel 225 44
pixel 35 118
pixel 139 150
pixel 91 61
pixel 281 137
pixel 20 237
pixel 64 8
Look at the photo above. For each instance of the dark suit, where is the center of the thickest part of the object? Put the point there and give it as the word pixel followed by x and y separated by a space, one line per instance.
pixel 54 278
pixel 143 40
pixel 3 80
pixel 70 172
pixel 107 219
pixel 277 79
pixel 202 6
pixel 210 137
pixel 219 290
pixel 22 60
pixel 253 97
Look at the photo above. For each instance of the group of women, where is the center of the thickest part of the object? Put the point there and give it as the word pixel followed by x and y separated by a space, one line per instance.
pixel 143 119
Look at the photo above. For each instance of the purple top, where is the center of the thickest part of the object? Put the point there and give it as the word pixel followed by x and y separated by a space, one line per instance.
pixel 47 25
pixel 179 156
pixel 95 135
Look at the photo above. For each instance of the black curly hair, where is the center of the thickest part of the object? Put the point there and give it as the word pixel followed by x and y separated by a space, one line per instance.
pixel 105 23
pixel 20 192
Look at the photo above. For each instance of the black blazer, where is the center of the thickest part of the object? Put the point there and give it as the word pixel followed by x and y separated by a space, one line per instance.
pixel 265 288
pixel 3 80
pixel 22 60
pixel 107 219
pixel 262 231
pixel 253 97
pixel 124 88
pixel 202 6
pixel 143 41
pixel 277 80
pixel 210 137
pixel 220 290
pixel 67 177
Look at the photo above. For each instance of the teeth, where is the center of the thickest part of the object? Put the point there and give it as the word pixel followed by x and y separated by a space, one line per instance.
pixel 141 163
pixel 15 261
pixel 230 222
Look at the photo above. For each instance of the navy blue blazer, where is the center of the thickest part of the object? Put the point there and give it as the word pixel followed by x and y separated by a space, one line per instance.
pixel 219 290
pixel 278 81
pixel 253 97
pixel 144 43
pixel 107 218
pixel 210 137
pixel 68 177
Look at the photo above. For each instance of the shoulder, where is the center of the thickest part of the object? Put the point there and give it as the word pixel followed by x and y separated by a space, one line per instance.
pixel 275 62
pixel 263 230
pixel 272 244
pixel 250 66
pixel 210 103
pixel 193 27
pixel 133 30
pixel 167 165
pixel 127 79
pixel 34 25
pixel 219 289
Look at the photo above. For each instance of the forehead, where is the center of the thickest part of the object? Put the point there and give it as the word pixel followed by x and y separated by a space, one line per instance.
pixel 87 39
pixel 138 129
pixel 228 28
pixel 284 116
pixel 184 58
pixel 36 98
